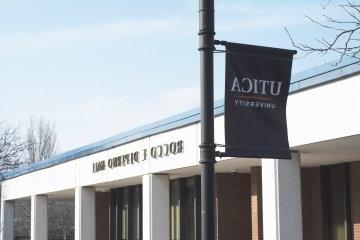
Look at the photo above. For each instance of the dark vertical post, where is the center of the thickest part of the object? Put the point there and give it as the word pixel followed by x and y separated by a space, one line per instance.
pixel 207 147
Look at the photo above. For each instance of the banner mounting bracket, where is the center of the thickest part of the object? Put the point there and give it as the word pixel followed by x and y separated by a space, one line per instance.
pixel 220 42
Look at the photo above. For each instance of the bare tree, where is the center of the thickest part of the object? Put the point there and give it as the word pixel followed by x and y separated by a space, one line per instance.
pixel 22 218
pixel 41 144
pixel 41 140
pixel 11 147
pixel 344 37
pixel 61 219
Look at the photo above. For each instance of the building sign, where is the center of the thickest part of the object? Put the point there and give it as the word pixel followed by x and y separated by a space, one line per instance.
pixel 155 152
pixel 256 88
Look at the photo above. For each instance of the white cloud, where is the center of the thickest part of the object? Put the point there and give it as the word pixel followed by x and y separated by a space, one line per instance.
pixel 103 117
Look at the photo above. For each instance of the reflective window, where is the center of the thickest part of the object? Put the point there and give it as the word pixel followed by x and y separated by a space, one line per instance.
pixel 175 210
pixel 137 213
pixel 124 215
pixel 126 223
pixel 185 209
pixel 336 202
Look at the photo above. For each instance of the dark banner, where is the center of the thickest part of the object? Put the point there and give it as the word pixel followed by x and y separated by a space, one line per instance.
pixel 256 88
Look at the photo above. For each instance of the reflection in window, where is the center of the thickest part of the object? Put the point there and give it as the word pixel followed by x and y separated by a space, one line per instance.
pixel 175 210
pixel 137 213
pixel 126 224
pixel 336 202
pixel 185 209
pixel 124 203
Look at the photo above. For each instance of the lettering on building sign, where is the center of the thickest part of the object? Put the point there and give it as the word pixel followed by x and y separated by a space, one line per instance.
pixel 155 152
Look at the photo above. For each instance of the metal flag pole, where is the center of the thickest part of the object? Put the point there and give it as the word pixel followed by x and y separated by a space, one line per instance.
pixel 207 146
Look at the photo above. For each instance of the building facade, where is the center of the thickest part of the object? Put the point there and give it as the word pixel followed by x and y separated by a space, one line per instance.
pixel 145 183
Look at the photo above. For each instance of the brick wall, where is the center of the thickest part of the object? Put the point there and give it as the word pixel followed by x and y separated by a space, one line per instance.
pixel 316 203
pixel 355 198
pixel 311 203
pixel 233 206
pixel 306 203
pixel 242 193
pixel 256 204
pixel 102 215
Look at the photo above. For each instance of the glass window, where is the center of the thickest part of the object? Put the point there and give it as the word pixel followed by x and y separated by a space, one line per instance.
pixel 175 209
pixel 128 219
pixel 185 209
pixel 336 205
pixel 124 214
pixel 137 213
pixel 189 209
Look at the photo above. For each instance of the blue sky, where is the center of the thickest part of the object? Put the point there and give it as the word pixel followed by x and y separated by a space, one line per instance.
pixel 98 68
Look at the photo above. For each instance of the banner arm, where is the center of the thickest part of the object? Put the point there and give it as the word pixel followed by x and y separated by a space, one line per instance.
pixel 220 154
pixel 220 42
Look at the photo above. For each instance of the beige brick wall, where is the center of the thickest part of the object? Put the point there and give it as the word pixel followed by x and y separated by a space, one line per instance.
pixel 256 204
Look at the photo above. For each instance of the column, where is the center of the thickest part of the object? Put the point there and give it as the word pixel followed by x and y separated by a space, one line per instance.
pixel 39 217
pixel 85 213
pixel 281 187
pixel 156 219
pixel 7 220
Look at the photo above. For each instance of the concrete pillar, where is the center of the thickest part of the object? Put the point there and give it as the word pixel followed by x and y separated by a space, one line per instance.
pixel 156 215
pixel 85 213
pixel 281 188
pixel 7 220
pixel 39 217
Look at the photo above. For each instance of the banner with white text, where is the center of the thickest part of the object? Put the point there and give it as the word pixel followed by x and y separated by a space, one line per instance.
pixel 256 89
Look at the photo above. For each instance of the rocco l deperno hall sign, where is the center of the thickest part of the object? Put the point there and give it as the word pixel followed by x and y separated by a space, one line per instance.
pixel 154 152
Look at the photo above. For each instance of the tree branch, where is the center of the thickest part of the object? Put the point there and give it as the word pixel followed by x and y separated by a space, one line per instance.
pixel 345 39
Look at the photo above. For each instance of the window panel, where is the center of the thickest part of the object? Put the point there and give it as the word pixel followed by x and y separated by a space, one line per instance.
pixel 175 210
pixel 128 220
pixel 185 209
pixel 336 203
pixel 137 213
